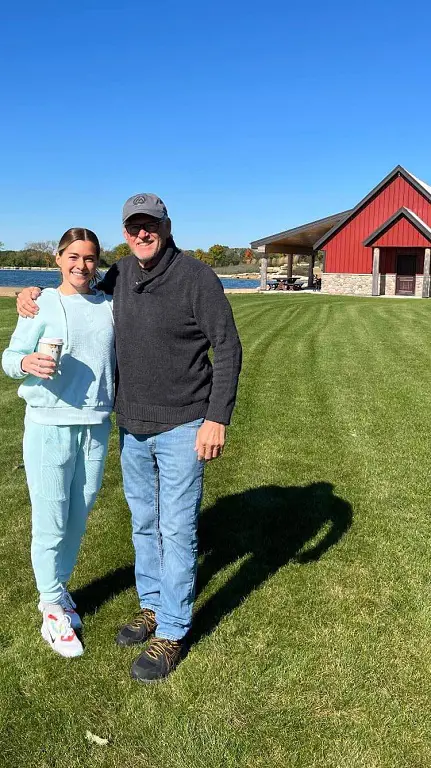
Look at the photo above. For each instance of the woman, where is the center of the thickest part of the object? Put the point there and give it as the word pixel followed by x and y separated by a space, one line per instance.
pixel 67 424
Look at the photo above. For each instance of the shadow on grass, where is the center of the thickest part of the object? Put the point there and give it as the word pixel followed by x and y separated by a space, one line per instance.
pixel 270 525
pixel 99 591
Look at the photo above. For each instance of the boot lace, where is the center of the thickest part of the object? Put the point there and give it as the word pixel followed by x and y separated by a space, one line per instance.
pixel 145 618
pixel 66 601
pixel 159 646
pixel 65 628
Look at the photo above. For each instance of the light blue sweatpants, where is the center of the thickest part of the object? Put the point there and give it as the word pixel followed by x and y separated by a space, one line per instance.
pixel 64 468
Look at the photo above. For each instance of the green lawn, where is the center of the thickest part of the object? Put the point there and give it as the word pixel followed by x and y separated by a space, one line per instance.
pixel 312 636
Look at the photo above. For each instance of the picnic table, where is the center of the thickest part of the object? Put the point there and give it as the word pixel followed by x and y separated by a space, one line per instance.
pixel 285 284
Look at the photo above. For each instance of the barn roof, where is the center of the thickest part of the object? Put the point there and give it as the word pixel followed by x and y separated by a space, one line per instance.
pixel 418 184
pixel 313 235
pixel 421 183
pixel 406 213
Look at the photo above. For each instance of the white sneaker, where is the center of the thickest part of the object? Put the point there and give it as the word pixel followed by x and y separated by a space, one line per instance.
pixel 67 603
pixel 58 633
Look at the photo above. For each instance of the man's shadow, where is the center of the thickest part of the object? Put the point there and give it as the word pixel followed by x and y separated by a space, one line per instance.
pixel 267 527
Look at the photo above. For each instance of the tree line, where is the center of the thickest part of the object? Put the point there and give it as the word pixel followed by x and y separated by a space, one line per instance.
pixel 42 254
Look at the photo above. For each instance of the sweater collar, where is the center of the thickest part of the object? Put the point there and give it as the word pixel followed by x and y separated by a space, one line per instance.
pixel 142 279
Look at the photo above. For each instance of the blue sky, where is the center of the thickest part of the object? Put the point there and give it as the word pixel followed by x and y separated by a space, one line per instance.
pixel 246 118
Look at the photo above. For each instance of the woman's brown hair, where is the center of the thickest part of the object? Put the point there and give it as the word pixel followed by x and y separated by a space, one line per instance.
pixel 78 233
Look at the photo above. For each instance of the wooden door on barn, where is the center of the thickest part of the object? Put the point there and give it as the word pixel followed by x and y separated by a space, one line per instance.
pixel 406 274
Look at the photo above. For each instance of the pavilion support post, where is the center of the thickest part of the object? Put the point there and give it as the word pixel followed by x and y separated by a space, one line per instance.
pixel 263 272
pixel 310 270
pixel 289 264
pixel 376 272
pixel 426 282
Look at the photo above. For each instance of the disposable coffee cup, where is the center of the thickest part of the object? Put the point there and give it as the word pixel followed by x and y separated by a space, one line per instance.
pixel 51 347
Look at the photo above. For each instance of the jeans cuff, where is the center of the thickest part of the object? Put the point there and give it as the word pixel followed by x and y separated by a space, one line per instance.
pixel 167 636
pixel 148 607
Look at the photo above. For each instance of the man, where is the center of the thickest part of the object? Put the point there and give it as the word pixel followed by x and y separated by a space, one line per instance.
pixel 172 408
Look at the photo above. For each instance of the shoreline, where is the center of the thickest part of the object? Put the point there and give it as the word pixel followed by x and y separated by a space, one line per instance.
pixel 10 291
pixel 236 276
pixel 30 269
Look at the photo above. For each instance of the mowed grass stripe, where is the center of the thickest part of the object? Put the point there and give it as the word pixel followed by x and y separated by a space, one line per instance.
pixel 313 623
pixel 346 375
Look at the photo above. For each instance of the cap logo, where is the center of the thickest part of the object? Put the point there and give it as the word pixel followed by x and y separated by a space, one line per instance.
pixel 139 200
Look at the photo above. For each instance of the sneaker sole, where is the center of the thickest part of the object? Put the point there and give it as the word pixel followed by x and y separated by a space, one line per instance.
pixel 47 637
pixel 151 680
pixel 148 680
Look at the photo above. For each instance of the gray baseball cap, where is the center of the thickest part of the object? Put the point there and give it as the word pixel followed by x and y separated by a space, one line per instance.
pixel 144 203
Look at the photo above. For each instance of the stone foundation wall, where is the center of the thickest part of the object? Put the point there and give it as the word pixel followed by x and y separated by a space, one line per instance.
pixel 387 284
pixel 340 282
pixel 362 285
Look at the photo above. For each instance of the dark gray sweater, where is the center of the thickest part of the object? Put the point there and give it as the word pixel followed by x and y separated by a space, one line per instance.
pixel 165 322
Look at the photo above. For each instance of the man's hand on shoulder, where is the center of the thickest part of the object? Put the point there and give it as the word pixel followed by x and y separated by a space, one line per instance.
pixel 108 282
pixel 210 440
pixel 25 305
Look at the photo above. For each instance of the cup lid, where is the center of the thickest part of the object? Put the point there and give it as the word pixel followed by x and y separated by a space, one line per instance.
pixel 46 340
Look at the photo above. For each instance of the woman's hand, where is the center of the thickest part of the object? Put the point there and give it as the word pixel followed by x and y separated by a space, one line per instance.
pixel 42 366
pixel 25 302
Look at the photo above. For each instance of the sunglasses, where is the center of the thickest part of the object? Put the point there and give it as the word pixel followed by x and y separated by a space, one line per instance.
pixel 147 226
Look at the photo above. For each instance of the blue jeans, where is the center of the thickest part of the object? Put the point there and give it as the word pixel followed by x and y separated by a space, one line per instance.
pixel 163 479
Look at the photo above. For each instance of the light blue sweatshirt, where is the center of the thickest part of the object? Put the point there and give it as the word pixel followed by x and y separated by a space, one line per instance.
pixel 82 392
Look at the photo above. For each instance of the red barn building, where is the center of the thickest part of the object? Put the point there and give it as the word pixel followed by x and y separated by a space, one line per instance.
pixel 382 246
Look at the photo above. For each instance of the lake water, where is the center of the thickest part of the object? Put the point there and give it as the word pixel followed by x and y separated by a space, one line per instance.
pixel 47 279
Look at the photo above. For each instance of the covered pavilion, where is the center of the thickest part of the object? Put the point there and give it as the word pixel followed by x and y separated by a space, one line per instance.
pixel 297 241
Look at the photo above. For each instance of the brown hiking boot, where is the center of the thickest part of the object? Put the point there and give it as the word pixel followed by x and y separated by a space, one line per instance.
pixel 158 660
pixel 139 630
